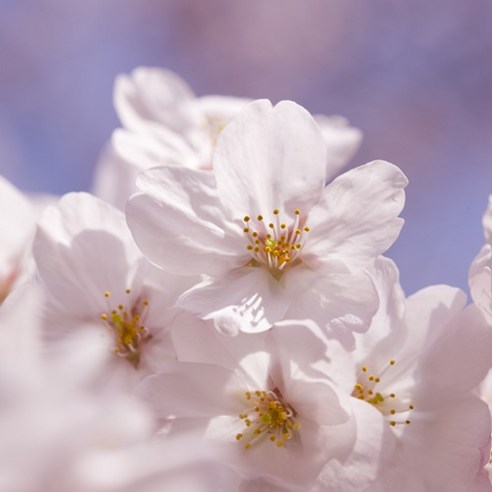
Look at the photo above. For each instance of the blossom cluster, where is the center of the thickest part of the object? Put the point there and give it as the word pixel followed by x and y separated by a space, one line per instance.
pixel 218 315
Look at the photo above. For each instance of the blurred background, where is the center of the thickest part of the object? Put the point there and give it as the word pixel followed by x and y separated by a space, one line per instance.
pixel 415 77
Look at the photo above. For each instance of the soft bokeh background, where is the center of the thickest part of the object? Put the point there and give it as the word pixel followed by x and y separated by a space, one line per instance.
pixel 416 77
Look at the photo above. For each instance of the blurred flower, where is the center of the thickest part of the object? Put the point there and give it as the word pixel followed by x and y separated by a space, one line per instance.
pixel 95 275
pixel 164 123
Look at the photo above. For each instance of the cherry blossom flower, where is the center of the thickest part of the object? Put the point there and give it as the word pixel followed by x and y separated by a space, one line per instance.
pixel 273 240
pixel 415 368
pixel 96 275
pixel 273 414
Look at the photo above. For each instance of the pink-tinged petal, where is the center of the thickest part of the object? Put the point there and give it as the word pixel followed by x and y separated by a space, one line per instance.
pixel 270 158
pixel 387 332
pixel 453 438
pixel 397 477
pixel 362 464
pixel 357 217
pixel 196 340
pixel 304 354
pixel 342 140
pixel 78 240
pixel 154 147
pixel 480 280
pixel 177 224
pixel 151 95
pixel 456 362
pixel 246 299
pixel 115 178
pixel 427 313
pixel 296 465
pixel 185 390
pixel 339 302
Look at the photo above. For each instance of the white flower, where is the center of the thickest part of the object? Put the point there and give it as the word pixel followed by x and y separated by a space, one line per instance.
pixel 273 239
pixel 96 275
pixel 276 406
pixel 51 419
pixel 418 369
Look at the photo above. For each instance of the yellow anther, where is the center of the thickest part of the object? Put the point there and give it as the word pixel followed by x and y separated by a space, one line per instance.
pixel 239 436
pixel 392 362
pixel 245 230
pixel 307 229
pixel 283 226
pixel 246 218
pixel 104 316
pixel 107 293
pixel 364 368
pixel 411 407
pixel 271 226
pixel 276 211
pixel 127 291
pixel 260 217
pixel 297 211
pixel 249 247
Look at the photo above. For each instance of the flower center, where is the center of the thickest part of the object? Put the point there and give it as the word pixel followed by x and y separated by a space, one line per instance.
pixel 369 388
pixel 275 244
pixel 268 416
pixel 127 324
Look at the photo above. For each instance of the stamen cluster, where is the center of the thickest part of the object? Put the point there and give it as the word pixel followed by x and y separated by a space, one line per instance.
pixel 368 388
pixel 128 328
pixel 268 417
pixel 275 244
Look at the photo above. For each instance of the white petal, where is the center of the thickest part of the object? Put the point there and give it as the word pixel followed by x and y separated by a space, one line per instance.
pixel 193 390
pixel 456 362
pixel 339 302
pixel 151 94
pixel 246 299
pixel 362 464
pixel 269 158
pixel 388 330
pixel 357 217
pixel 178 225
